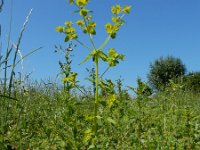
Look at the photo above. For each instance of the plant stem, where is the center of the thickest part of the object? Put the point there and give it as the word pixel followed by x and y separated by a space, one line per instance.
pixel 97 80
pixel 96 94
pixel 105 42
pixel 81 43
pixel 16 51
pixel 104 72
pixel 8 50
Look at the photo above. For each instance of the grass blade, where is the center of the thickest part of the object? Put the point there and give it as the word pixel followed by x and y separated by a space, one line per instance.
pixel 16 51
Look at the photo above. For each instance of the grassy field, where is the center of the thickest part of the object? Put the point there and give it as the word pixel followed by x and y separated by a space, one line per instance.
pixel 42 117
pixel 46 118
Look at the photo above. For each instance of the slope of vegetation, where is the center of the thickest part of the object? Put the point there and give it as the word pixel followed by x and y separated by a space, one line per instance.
pixel 48 119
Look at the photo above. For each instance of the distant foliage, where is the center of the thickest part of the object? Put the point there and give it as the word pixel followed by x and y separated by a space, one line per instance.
pixel 192 82
pixel 143 89
pixel 162 70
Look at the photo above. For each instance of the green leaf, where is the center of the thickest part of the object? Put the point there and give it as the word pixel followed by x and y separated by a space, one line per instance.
pixel 109 28
pixel 71 1
pixel 70 30
pixel 67 38
pixel 70 79
pixel 102 102
pixel 80 23
pixel 96 54
pixel 88 57
pixel 82 2
pixel 111 99
pixel 109 119
pixel 90 30
pixel 84 12
pixel 92 24
pixel 116 9
pixel 113 35
pixel 114 57
pixel 91 147
pixel 102 55
pixel 87 135
pixel 112 53
pixel 72 36
pixel 115 19
pixel 59 29
pixel 99 117
pixel 68 23
pixel 127 9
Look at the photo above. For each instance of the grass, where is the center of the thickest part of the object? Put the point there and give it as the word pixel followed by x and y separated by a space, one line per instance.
pixel 44 117
pixel 50 119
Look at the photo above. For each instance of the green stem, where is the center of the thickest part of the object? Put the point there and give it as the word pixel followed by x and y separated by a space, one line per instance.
pixel 92 41
pixel 81 43
pixel 90 36
pixel 7 50
pixel 105 42
pixel 16 51
pixel 96 95
pixel 104 72
pixel 97 80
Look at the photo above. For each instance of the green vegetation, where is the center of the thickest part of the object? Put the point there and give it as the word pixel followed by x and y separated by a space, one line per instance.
pixel 163 70
pixel 45 116
pixel 191 82
pixel 50 119
pixel 96 54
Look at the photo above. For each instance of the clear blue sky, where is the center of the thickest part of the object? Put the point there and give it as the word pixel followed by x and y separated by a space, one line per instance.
pixel 154 28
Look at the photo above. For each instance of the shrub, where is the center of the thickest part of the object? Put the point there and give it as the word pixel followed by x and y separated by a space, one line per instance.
pixel 143 89
pixel 162 70
pixel 192 82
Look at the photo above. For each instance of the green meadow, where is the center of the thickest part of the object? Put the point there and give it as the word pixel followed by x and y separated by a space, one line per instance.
pixel 162 114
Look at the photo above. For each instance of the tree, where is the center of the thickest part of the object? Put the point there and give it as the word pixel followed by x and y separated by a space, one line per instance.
pixel 192 82
pixel 162 70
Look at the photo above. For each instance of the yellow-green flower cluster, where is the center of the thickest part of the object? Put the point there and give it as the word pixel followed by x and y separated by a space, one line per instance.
pixel 68 30
pixel 117 9
pixel 79 2
pixel 70 79
pixel 90 28
pixel 118 13
pixel 114 57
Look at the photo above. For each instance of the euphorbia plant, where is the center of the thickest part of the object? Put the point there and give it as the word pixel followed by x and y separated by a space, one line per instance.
pixel 96 53
pixel 69 77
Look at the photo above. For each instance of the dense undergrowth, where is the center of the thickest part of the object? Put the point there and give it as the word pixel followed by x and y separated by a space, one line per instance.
pixel 46 118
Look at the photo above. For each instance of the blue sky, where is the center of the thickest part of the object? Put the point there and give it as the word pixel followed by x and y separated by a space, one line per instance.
pixel 154 28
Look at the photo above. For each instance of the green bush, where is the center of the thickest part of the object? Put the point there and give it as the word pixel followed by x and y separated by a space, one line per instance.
pixel 192 82
pixel 143 89
pixel 162 70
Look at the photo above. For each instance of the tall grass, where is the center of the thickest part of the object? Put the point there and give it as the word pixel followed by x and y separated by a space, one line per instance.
pixel 9 58
pixel 169 120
